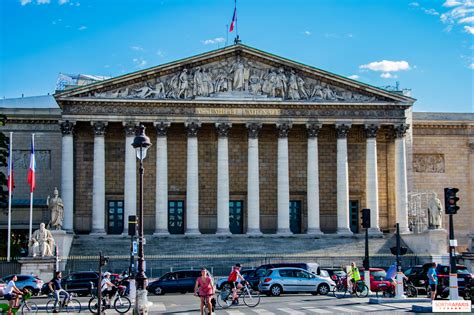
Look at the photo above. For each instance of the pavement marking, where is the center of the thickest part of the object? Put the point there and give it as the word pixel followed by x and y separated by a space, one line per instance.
pixel 367 308
pixel 234 312
pixel 317 310
pixel 262 311
pixel 290 311
pixel 344 309
pixel 158 306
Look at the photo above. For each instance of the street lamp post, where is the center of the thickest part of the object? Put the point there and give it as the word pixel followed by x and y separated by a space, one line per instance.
pixel 141 143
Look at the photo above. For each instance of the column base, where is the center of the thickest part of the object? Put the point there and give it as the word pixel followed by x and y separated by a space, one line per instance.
pixel 404 230
pixel 254 232
pixel 314 231
pixel 99 232
pixel 192 232
pixel 284 232
pixel 223 232
pixel 161 232
pixel 375 231
pixel 344 231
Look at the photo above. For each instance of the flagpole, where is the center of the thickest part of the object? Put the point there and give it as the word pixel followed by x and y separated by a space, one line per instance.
pixel 10 183
pixel 31 190
pixel 236 20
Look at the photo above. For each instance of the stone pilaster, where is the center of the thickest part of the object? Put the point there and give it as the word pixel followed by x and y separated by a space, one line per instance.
pixel 283 180
pixel 253 180
pixel 161 195
pixel 130 178
pixel 371 178
pixel 192 182
pixel 67 173
pixel 98 179
pixel 223 178
pixel 343 225
pixel 313 179
pixel 401 188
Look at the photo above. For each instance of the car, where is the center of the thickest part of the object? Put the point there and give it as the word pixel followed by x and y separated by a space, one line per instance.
pixel 181 281
pixel 335 273
pixel 2 285
pixel 80 282
pixel 377 278
pixel 29 282
pixel 254 278
pixel 294 280
pixel 418 276
pixel 244 272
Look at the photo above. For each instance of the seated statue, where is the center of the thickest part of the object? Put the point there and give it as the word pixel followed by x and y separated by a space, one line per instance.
pixel 41 243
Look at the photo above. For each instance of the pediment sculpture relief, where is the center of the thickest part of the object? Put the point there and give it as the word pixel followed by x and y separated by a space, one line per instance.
pixel 237 78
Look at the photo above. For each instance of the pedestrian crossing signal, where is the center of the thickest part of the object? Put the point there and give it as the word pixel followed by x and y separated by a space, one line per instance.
pixel 450 200
pixel 366 218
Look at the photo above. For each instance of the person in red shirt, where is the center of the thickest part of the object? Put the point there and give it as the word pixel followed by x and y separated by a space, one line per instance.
pixel 204 288
pixel 233 280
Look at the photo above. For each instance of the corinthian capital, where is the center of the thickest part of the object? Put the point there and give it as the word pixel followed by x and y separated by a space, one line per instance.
pixel 342 130
pixel 192 128
pixel 401 130
pixel 223 129
pixel 67 127
pixel 283 129
pixel 162 128
pixel 99 127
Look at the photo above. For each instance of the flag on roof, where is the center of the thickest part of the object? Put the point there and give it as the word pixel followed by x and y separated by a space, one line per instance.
pixel 234 20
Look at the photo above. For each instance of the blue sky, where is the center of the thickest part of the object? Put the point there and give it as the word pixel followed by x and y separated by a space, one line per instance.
pixel 426 45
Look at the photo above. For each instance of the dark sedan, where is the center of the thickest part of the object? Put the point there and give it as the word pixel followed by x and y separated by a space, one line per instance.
pixel 182 281
pixel 79 282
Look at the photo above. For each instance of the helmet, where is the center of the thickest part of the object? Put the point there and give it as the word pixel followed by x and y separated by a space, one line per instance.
pixel 106 274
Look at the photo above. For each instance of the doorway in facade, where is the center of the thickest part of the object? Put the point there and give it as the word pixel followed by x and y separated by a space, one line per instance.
pixel 354 215
pixel 236 216
pixel 295 216
pixel 115 217
pixel 176 216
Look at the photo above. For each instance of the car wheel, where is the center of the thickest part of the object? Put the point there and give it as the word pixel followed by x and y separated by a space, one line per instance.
pixel 323 289
pixel 275 290
pixel 158 291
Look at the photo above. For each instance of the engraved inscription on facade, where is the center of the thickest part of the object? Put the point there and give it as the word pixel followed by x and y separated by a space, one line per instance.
pixel 428 163
pixel 238 111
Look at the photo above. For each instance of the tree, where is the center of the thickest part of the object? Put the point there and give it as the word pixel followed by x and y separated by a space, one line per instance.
pixel 4 142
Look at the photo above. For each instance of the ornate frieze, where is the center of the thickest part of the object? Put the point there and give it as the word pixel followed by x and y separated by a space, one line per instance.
pixel 428 163
pixel 401 130
pixel 253 129
pixel 223 129
pixel 162 128
pixel 99 128
pixel 283 129
pixel 371 131
pixel 313 129
pixel 130 128
pixel 192 128
pixel 67 128
pixel 342 130
pixel 21 159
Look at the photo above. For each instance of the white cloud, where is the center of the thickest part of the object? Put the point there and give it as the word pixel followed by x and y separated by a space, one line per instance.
pixel 387 66
pixel 160 53
pixel 414 4
pixel 82 28
pixel 451 3
pixel 139 62
pixel 469 29
pixel 388 75
pixel 471 66
pixel 61 2
pixel 43 1
pixel 430 11
pixel 354 77
pixel 466 20
pixel 136 48
pixel 213 41
pixel 25 2
pixel 307 33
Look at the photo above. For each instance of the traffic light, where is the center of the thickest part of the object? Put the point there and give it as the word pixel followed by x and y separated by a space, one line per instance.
pixel 132 225
pixel 366 218
pixel 450 200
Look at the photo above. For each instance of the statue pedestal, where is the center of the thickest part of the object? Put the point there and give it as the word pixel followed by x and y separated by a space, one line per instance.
pixel 63 242
pixel 433 243
pixel 43 267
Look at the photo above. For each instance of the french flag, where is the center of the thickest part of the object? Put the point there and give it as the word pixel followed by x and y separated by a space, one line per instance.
pixel 32 169
pixel 10 180
pixel 234 19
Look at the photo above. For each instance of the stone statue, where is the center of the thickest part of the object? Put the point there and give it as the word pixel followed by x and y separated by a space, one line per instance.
pixel 280 86
pixel 293 92
pixel 41 243
pixel 435 210
pixel 56 207
pixel 255 85
pixel 238 69
pixel 198 88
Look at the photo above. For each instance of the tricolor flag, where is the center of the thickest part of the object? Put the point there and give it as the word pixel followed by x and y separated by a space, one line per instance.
pixel 10 180
pixel 32 169
pixel 234 20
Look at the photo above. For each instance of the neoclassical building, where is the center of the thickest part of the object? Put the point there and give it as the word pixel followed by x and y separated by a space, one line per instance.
pixel 245 142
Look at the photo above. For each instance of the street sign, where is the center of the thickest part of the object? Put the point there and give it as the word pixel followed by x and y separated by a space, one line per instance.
pixel 135 248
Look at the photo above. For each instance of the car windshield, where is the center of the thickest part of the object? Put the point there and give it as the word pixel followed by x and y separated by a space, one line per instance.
pixel 324 273
pixel 379 274
pixel 463 271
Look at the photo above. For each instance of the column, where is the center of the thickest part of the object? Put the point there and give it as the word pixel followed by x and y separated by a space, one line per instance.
pixel 253 180
pixel 343 226
pixel 283 180
pixel 313 180
pixel 161 195
pixel 371 179
pixel 98 179
pixel 192 183
pixel 401 188
pixel 67 174
pixel 223 178
pixel 130 179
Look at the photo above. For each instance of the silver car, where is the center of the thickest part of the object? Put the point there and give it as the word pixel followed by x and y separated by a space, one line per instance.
pixel 293 280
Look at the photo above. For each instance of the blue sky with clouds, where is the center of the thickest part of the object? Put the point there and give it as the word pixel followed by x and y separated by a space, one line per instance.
pixel 426 45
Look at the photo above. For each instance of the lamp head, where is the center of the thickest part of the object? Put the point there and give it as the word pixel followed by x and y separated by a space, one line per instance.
pixel 141 143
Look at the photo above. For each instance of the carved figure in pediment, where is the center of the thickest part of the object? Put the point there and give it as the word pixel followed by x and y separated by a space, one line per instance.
pixel 238 69
pixel 207 80
pixel 317 92
pixel 222 82
pixel 293 92
pixel 280 86
pixel 183 84
pixel 269 81
pixel 255 85
pixel 327 92
pixel 143 91
pixel 159 91
pixel 301 88
pixel 199 88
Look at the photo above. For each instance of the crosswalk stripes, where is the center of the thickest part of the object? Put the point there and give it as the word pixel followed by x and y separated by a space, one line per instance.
pixel 291 311
pixel 158 307
pixel 344 309
pixel 262 311
pixel 234 312
pixel 318 310
pixel 368 308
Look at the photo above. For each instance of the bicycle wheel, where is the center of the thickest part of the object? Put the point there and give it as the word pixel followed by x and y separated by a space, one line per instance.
pixel 339 291
pixel 94 305
pixel 50 306
pixel 362 290
pixel 411 291
pixel 29 308
pixel 73 306
pixel 224 298
pixel 122 304
pixel 251 298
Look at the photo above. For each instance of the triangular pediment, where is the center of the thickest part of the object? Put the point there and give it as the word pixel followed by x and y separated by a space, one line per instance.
pixel 235 73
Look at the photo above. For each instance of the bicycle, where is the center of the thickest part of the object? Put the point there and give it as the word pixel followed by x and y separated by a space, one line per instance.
pixel 27 307
pixel 341 288
pixel 71 305
pixel 206 308
pixel 251 298
pixel 388 290
pixel 121 304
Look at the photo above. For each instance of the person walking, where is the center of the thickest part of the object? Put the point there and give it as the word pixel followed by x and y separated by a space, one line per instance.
pixel 433 280
pixel 204 288
pixel 55 287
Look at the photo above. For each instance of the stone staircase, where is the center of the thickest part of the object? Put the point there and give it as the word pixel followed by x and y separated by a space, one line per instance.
pixel 220 252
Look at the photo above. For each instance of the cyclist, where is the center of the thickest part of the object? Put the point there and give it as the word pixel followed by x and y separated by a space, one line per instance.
pixel 107 288
pixel 204 288
pixel 12 294
pixel 233 280
pixel 55 287
pixel 354 275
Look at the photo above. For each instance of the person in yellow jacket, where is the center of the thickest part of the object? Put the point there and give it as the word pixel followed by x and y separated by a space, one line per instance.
pixel 354 275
